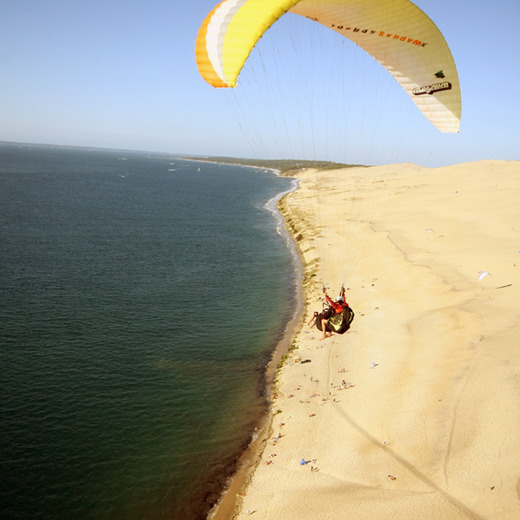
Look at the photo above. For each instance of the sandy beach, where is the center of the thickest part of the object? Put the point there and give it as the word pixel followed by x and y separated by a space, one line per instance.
pixel 415 411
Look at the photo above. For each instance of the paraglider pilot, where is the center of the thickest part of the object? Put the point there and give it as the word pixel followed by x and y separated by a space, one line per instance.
pixel 332 318
pixel 337 307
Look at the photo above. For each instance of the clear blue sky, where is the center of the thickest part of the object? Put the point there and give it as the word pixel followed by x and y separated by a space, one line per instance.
pixel 122 74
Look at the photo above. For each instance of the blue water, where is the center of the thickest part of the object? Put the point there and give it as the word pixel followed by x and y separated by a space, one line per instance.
pixel 141 297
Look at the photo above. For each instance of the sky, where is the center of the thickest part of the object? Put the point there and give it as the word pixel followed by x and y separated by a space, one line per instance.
pixel 122 74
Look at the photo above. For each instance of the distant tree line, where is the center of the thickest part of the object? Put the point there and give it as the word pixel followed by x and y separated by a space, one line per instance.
pixel 286 167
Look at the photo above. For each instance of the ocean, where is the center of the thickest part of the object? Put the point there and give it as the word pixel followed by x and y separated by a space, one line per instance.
pixel 141 298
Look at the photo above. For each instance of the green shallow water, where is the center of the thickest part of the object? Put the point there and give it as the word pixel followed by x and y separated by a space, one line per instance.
pixel 141 300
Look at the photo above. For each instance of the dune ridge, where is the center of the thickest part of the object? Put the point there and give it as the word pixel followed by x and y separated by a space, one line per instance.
pixel 416 409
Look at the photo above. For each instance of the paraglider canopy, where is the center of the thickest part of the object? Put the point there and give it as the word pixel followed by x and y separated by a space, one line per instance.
pixel 396 33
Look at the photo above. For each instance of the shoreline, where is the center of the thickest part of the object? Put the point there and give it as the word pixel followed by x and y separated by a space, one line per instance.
pixel 282 167
pixel 275 171
pixel 227 505
pixel 430 352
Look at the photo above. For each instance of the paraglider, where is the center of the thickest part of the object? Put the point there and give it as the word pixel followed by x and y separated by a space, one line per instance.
pixel 396 33
pixel 336 316
pixel 400 36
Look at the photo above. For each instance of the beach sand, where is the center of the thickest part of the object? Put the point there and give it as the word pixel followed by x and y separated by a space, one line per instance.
pixel 415 411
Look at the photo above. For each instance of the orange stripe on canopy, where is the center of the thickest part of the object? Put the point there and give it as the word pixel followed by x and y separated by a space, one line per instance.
pixel 204 65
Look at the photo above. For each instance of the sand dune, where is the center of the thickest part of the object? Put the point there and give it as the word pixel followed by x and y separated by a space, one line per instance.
pixel 414 412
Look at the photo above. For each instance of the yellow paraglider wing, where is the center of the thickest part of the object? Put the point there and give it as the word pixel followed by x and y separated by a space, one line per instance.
pixel 229 33
pixel 395 32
